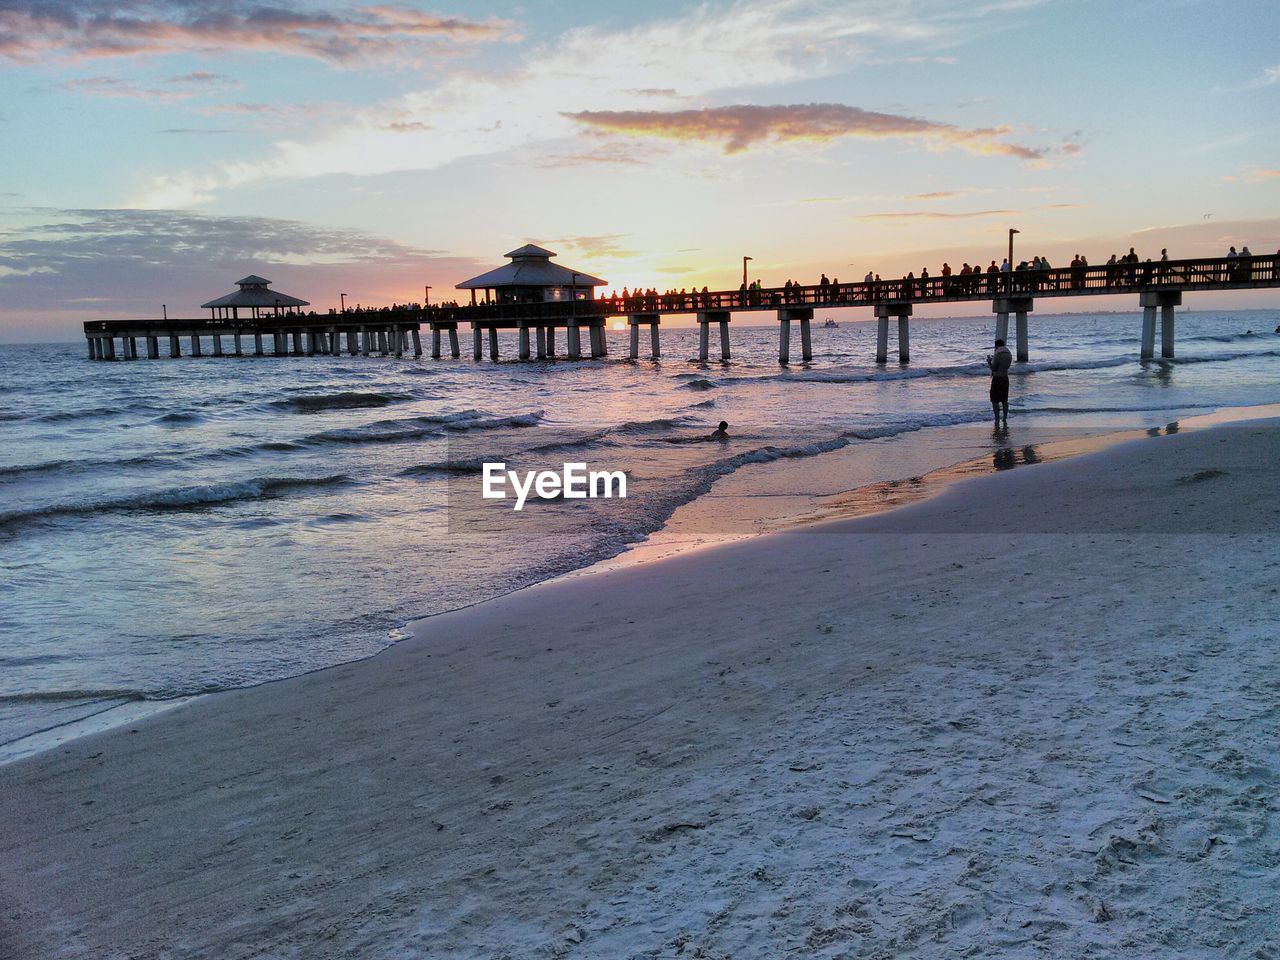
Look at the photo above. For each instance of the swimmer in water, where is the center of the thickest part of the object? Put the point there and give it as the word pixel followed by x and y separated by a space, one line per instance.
pixel 721 432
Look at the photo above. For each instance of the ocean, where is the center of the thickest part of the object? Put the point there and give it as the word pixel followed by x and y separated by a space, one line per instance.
pixel 171 528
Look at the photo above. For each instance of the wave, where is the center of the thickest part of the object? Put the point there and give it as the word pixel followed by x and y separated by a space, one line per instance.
pixel 346 400
pixel 1218 357
pixel 653 426
pixel 699 383
pixel 417 428
pixel 182 498
pixel 443 468
pixel 702 405
pixel 61 696
pixel 178 418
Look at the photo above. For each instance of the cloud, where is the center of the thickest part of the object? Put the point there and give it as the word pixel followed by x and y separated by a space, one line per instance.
pixel 663 63
pixel 744 125
pixel 130 261
pixel 407 126
pixel 1270 77
pixel 601 246
pixel 1256 175
pixel 172 89
pixel 609 154
pixel 40 30
pixel 935 215
pixel 934 195
pixel 187 130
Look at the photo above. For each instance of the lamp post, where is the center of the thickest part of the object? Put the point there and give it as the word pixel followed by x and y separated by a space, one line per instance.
pixel 426 295
pixel 573 288
pixel 164 310
pixel 1012 231
pixel 343 298
pixel 744 269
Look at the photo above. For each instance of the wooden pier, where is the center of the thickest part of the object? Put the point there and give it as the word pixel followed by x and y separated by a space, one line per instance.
pixel 1160 287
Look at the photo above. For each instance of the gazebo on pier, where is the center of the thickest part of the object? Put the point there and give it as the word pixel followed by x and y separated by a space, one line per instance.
pixel 254 297
pixel 531 277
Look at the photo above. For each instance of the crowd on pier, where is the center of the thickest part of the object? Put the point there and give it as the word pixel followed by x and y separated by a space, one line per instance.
pixel 996 279
pixel 1027 277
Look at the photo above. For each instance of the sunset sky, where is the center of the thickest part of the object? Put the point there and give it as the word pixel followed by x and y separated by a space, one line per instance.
pixel 154 151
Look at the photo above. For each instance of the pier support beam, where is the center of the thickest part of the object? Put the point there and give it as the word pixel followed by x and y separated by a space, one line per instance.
pixel 804 315
pixel 493 344
pixel 417 342
pixel 478 345
pixel 1166 301
pixel 195 346
pixel 903 312
pixel 239 346
pixel 705 319
pixel 635 322
pixel 353 338
pixel 297 343
pixel 257 343
pixel 110 343
pixel 217 344
pixel 153 347
pixel 435 342
pixel 551 341
pixel 1019 307
pixel 175 347
pixel 131 348
pixel 573 338
pixel 93 347
pixel 540 337
pixel 397 337
pixel 595 333
pixel 522 330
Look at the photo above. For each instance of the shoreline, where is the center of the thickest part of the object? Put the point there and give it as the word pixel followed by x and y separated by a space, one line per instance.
pixel 679 536
pixel 794 745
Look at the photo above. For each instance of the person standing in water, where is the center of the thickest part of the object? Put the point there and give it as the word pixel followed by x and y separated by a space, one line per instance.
pixel 999 364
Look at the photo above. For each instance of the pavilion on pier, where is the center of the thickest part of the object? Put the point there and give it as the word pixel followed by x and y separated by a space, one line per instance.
pixel 531 277
pixel 253 297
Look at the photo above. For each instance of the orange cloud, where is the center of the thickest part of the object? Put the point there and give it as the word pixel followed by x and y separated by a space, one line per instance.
pixel 935 215
pixel 741 126
pixel 33 30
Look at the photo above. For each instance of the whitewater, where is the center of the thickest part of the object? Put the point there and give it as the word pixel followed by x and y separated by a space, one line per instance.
pixel 172 528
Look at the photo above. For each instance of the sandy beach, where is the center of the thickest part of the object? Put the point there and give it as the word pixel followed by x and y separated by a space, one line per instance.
pixel 1034 716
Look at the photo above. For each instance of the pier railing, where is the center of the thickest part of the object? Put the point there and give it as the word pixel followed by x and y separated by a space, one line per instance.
pixel 1093 280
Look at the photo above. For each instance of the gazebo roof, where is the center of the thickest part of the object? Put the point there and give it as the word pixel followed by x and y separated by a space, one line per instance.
pixel 253 292
pixel 531 266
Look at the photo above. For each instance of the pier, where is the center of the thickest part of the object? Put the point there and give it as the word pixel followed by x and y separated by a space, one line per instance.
pixel 537 310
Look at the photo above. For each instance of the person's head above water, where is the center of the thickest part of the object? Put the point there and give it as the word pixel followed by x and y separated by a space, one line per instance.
pixel 724 425
pixel 999 343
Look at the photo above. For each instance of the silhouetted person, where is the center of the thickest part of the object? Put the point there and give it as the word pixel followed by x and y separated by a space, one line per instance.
pixel 721 432
pixel 999 363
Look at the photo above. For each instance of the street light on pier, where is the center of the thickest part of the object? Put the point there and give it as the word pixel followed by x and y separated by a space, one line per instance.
pixel 744 269
pixel 343 298
pixel 1012 231
pixel 426 295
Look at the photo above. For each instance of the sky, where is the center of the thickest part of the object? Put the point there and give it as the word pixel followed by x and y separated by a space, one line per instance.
pixel 155 151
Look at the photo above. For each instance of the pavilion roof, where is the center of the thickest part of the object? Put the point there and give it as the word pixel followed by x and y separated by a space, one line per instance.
pixel 531 266
pixel 253 292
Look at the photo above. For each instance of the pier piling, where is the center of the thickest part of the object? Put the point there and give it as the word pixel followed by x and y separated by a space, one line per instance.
pixel 1019 307
pixel 902 311
pixel 1166 301
pixel 803 315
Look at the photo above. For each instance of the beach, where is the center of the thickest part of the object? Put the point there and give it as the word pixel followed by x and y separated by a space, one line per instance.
pixel 1033 715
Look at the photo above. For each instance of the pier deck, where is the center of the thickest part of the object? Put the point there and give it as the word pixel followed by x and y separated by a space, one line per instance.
pixel 1159 285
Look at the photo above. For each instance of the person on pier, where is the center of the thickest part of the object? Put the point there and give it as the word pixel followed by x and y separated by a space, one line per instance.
pixel 999 364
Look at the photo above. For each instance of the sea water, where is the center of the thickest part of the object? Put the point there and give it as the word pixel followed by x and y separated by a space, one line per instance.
pixel 175 527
